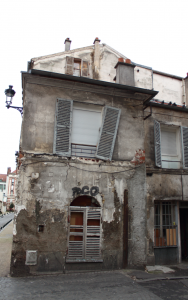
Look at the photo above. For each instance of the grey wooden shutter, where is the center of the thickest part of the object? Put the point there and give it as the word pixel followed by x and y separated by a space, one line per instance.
pixel 76 247
pixel 93 235
pixel 157 139
pixel 184 135
pixel 85 68
pixel 63 124
pixel 69 65
pixel 108 133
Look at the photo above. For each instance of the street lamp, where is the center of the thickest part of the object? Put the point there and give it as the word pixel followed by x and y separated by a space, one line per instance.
pixel 9 95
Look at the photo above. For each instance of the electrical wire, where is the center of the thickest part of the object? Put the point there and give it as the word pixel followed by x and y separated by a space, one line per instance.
pixel 130 169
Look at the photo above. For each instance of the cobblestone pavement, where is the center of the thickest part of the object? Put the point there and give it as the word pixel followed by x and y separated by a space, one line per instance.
pixel 100 286
pixel 5 249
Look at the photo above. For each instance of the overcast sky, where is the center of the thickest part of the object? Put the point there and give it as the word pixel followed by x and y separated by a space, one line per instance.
pixel 152 33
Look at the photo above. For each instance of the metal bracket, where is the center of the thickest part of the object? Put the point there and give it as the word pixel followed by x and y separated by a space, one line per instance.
pixel 150 112
pixel 20 109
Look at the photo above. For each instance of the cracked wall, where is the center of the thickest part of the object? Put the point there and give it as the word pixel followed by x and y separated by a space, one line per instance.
pixel 46 181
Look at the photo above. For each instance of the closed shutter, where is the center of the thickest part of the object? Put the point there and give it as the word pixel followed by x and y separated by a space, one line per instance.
pixel 85 68
pixel 93 233
pixel 84 238
pixel 157 138
pixel 63 124
pixel 184 134
pixel 108 133
pixel 69 65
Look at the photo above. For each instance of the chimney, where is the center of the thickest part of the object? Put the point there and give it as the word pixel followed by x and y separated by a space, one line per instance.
pixel 67 44
pixel 96 58
pixel 8 170
pixel 125 72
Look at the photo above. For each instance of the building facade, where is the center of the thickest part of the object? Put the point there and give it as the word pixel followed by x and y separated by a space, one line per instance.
pixel 102 164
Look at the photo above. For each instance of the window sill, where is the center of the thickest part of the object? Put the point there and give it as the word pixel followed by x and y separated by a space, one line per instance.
pixel 82 260
pixel 163 247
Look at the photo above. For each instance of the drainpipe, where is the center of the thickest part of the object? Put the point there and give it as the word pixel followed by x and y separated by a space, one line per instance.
pixel 183 92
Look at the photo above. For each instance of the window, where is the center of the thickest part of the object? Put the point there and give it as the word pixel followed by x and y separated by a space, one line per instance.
pixel 171 146
pixel 76 67
pixel 84 232
pixel 85 130
pixel 165 225
pixel 1 187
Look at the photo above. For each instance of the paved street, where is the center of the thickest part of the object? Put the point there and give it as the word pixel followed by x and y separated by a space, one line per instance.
pixel 5 219
pixel 168 289
pixel 123 284
pixel 100 286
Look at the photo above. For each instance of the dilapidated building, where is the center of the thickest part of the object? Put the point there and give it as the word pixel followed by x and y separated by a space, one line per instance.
pixel 102 164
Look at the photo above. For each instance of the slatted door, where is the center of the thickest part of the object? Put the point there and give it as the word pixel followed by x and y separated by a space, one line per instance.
pixel 76 234
pixel 84 237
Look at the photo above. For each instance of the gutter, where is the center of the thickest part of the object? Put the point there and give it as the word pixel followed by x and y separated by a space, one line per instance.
pixel 171 107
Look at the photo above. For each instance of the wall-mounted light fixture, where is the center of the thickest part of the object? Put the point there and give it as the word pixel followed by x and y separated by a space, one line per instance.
pixel 9 95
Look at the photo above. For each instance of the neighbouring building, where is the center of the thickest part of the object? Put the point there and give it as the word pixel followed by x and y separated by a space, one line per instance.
pixel 10 187
pixel 3 178
pixel 102 180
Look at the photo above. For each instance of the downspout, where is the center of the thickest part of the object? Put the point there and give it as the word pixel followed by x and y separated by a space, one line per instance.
pixel 183 92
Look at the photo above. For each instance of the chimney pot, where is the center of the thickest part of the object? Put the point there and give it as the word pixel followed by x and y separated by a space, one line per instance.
pixel 121 59
pixel 96 40
pixel 128 61
pixel 67 44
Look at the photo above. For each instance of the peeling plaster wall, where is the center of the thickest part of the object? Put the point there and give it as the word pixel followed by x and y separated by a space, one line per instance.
pixel 45 181
pixel 162 184
pixel 37 205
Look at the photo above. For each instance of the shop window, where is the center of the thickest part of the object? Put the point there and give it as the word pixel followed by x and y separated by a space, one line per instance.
pixel 171 146
pixel 165 228
pixel 84 233
pixel 85 130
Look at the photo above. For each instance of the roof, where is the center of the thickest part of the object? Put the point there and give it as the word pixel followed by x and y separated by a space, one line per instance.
pixel 168 105
pixel 150 93
pixel 3 177
pixel 75 50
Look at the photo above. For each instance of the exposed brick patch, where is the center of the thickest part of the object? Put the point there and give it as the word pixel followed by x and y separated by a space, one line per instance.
pixel 139 157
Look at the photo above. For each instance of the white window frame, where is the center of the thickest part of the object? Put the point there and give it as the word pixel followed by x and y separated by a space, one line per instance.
pixel 175 161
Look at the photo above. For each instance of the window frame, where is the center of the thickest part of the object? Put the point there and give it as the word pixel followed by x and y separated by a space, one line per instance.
pixel 165 235
pixel 63 130
pixel 181 144
pixel 69 67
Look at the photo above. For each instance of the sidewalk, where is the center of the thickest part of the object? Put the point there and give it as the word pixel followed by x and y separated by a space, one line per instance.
pixel 178 271
pixel 5 249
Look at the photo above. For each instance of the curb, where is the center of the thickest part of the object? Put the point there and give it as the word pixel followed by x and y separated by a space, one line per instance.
pixel 161 278
pixel 2 227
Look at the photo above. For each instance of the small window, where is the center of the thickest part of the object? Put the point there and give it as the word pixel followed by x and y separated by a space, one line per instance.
pixel 165 225
pixel 76 67
pixel 170 148
pixel 1 187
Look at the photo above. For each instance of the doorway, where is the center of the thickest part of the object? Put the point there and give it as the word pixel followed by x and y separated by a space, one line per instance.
pixel 184 233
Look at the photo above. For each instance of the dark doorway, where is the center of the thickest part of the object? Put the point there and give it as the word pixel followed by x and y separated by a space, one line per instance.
pixel 184 233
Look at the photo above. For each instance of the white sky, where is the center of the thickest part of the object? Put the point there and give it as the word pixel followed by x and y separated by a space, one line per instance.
pixel 152 33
